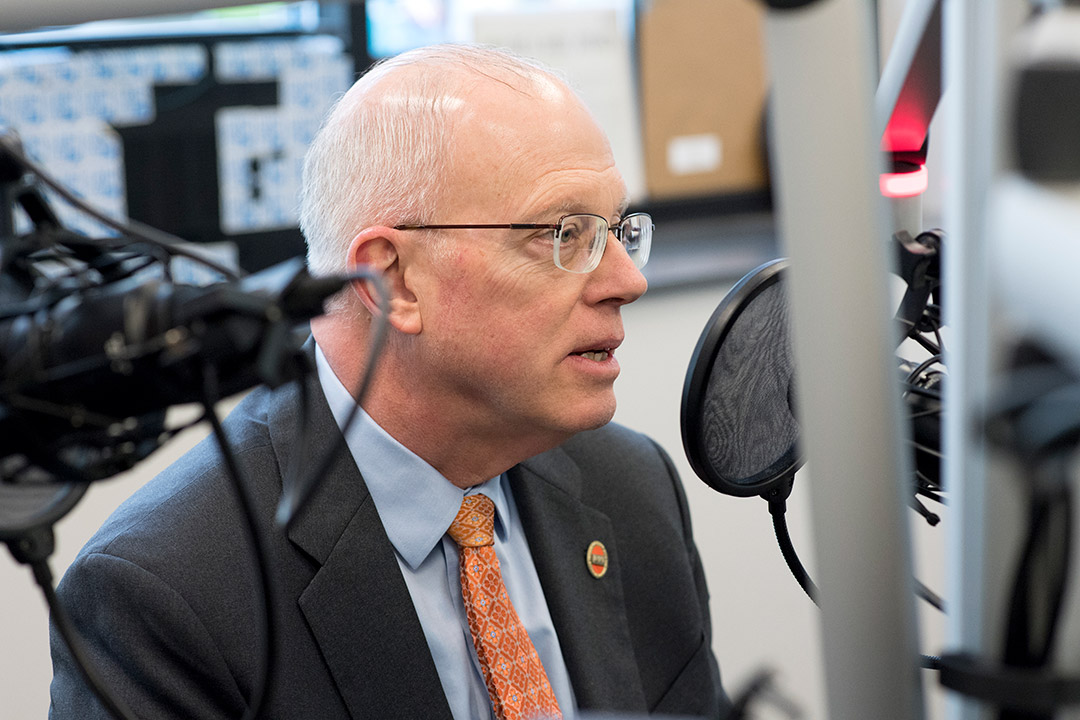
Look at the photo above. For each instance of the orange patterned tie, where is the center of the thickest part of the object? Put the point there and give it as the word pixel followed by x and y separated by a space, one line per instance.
pixel 515 677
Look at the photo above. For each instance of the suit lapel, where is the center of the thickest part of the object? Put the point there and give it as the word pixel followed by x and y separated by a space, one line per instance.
pixel 360 612
pixel 589 613
pixel 357 604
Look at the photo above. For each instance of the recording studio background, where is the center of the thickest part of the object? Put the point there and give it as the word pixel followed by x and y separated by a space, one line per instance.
pixel 198 126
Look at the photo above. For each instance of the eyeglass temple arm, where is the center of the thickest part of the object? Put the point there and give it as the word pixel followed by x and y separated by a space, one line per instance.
pixel 482 226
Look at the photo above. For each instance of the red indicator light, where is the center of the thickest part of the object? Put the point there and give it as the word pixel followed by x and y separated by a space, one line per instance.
pixel 901 185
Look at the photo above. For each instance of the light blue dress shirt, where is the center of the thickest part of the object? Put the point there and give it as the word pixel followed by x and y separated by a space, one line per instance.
pixel 417 505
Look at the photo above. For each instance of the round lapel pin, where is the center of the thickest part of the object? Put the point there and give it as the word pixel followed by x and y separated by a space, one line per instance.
pixel 596 558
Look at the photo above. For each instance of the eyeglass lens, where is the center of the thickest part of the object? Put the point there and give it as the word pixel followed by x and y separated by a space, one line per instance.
pixel 575 242
pixel 635 232
pixel 581 239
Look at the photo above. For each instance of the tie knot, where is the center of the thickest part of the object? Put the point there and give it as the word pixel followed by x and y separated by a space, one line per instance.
pixel 475 522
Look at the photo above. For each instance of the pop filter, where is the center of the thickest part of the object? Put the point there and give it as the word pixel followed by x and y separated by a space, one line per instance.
pixel 32 505
pixel 739 427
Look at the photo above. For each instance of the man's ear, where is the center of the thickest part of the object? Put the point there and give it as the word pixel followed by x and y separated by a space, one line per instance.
pixel 378 248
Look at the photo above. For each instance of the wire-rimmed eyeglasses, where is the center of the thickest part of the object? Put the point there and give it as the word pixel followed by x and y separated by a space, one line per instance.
pixel 579 239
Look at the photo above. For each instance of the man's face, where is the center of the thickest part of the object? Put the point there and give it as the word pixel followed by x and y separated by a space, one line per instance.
pixel 516 346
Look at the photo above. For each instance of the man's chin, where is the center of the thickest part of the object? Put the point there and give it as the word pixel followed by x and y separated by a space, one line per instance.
pixel 596 417
pixel 572 418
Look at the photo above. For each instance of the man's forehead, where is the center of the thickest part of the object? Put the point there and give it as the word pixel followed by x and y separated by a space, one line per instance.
pixel 576 204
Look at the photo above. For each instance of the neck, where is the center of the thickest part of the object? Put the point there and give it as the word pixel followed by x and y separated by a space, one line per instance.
pixel 464 452
pixel 467 449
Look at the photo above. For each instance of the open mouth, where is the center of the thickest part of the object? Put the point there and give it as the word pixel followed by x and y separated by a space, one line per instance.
pixel 595 355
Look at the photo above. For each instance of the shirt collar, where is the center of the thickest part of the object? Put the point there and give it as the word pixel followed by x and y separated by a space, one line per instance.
pixel 396 477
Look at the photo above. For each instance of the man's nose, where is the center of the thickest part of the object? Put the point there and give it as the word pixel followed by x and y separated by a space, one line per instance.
pixel 620 279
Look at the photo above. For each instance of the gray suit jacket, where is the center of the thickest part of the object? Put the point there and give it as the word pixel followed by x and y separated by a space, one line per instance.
pixel 166 596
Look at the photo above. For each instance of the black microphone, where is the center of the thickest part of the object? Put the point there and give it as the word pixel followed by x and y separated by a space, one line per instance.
pixel 97 368
pixel 739 422
pixel 739 426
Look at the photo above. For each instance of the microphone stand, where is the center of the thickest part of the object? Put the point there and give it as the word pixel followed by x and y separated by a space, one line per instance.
pixel 28 514
pixel 195 344
pixel 831 217
pixel 33 546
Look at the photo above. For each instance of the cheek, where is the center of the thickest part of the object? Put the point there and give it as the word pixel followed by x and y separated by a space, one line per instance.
pixel 453 290
pixel 480 285
pixel 509 308
pixel 466 312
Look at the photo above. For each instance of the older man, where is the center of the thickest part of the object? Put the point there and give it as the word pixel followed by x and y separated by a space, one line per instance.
pixel 489 546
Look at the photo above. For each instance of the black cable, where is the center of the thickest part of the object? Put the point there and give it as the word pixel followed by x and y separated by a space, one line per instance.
pixel 932 360
pixel 778 510
pixel 62 622
pixel 924 392
pixel 930 517
pixel 166 241
pixel 928 488
pixel 926 343
pixel 266 599
pixel 138 262
pixel 926 449
pixel 300 491
pixel 1041 576
pixel 923 414
pixel 929 596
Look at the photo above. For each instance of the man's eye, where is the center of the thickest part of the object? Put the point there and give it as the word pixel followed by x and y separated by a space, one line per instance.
pixel 570 234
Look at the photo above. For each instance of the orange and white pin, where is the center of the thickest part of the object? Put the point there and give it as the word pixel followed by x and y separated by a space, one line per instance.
pixel 596 558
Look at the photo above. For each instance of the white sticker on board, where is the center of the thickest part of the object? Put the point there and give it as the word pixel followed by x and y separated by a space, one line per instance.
pixel 694 154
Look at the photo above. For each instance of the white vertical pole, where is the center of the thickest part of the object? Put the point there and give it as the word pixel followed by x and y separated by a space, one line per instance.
pixel 832 221
pixel 981 495
pixel 968 159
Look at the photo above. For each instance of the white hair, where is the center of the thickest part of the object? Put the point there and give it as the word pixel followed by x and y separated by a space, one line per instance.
pixel 383 162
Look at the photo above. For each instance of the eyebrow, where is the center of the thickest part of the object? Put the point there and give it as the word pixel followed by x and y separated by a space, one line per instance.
pixel 570 207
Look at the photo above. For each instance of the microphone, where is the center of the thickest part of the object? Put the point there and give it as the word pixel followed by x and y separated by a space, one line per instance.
pixel 94 349
pixel 93 352
pixel 739 426
pixel 94 371
pixel 739 421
